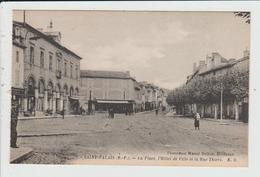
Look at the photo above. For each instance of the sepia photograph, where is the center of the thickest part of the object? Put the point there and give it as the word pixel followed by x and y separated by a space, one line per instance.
pixel 164 88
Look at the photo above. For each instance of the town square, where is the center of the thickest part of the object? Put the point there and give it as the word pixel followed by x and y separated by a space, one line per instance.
pixel 140 86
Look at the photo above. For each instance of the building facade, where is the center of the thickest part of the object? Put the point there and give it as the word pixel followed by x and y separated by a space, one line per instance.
pixel 217 66
pixel 18 73
pixel 51 72
pixel 106 89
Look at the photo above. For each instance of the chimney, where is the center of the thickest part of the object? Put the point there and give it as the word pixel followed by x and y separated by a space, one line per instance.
pixel 208 62
pixel 202 64
pixel 194 67
pixel 216 58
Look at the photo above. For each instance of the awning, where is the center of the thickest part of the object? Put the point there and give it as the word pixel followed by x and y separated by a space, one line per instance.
pixel 74 97
pixel 115 101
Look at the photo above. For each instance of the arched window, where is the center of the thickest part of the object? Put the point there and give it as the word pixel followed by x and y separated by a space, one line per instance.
pixel 65 90
pixel 31 86
pixel 50 89
pixel 58 88
pixel 71 91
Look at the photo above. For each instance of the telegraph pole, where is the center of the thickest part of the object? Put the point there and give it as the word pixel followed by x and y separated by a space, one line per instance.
pixel 24 17
pixel 221 102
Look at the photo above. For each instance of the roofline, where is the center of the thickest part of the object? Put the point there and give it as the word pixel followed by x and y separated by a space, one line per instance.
pixel 217 68
pixel 47 38
pixel 103 77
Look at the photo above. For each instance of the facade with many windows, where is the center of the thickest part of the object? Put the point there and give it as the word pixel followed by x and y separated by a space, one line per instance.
pixel 18 73
pixel 48 87
pixel 213 67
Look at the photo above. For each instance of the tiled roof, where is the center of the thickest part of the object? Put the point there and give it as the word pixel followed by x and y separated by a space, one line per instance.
pixel 47 38
pixel 226 65
pixel 104 74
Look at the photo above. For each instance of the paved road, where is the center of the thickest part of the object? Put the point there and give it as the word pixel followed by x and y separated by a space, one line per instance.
pixel 58 141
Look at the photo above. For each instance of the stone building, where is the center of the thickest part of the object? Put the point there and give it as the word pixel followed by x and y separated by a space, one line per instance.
pixel 215 66
pixel 51 72
pixel 152 96
pixel 18 71
pixel 101 90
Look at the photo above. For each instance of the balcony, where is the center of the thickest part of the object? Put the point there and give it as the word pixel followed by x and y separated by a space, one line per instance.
pixel 58 74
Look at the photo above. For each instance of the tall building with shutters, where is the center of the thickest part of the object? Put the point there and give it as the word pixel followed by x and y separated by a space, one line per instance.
pixel 50 71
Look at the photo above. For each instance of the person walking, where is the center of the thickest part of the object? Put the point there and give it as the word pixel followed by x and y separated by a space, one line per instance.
pixel 197 121
pixel 156 111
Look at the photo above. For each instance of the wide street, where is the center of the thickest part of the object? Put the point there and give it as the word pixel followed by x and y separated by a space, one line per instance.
pixel 58 141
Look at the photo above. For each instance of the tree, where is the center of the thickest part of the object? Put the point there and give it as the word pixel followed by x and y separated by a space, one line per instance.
pixel 245 15
pixel 235 85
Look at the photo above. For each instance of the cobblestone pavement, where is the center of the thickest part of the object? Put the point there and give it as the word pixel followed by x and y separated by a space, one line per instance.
pixel 55 141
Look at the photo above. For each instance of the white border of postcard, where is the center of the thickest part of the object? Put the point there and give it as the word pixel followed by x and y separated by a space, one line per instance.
pixel 19 170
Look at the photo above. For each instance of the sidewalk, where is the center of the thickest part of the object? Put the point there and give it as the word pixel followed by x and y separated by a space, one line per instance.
pixel 47 117
pixel 19 154
pixel 66 116
pixel 223 121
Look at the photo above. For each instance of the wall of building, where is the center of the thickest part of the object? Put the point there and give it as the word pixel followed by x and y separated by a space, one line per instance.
pixel 41 65
pixel 107 88
pixel 17 67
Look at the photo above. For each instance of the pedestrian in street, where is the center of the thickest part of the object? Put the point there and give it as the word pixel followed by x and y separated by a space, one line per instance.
pixel 156 111
pixel 109 113
pixel 112 113
pixel 197 121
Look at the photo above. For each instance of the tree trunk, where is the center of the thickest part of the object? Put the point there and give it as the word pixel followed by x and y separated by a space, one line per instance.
pixel 236 110
pixel 202 110
pixel 215 111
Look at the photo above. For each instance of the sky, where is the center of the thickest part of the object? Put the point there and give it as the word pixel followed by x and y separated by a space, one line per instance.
pixel 158 47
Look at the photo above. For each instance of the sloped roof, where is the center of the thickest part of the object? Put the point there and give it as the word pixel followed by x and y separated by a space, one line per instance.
pixel 47 38
pixel 104 74
pixel 226 65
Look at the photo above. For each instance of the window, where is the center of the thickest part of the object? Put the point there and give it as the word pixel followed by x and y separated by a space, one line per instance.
pixel 65 69
pixel 71 70
pixel 71 91
pixel 17 56
pixel 58 62
pixel 42 59
pixel 50 62
pixel 31 55
pixel 76 70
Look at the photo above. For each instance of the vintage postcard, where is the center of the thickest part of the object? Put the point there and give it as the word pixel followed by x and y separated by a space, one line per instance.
pixel 126 87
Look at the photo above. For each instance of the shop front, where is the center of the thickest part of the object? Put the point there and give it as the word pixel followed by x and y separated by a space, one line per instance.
pixel 74 106
pixel 118 106
pixel 17 99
